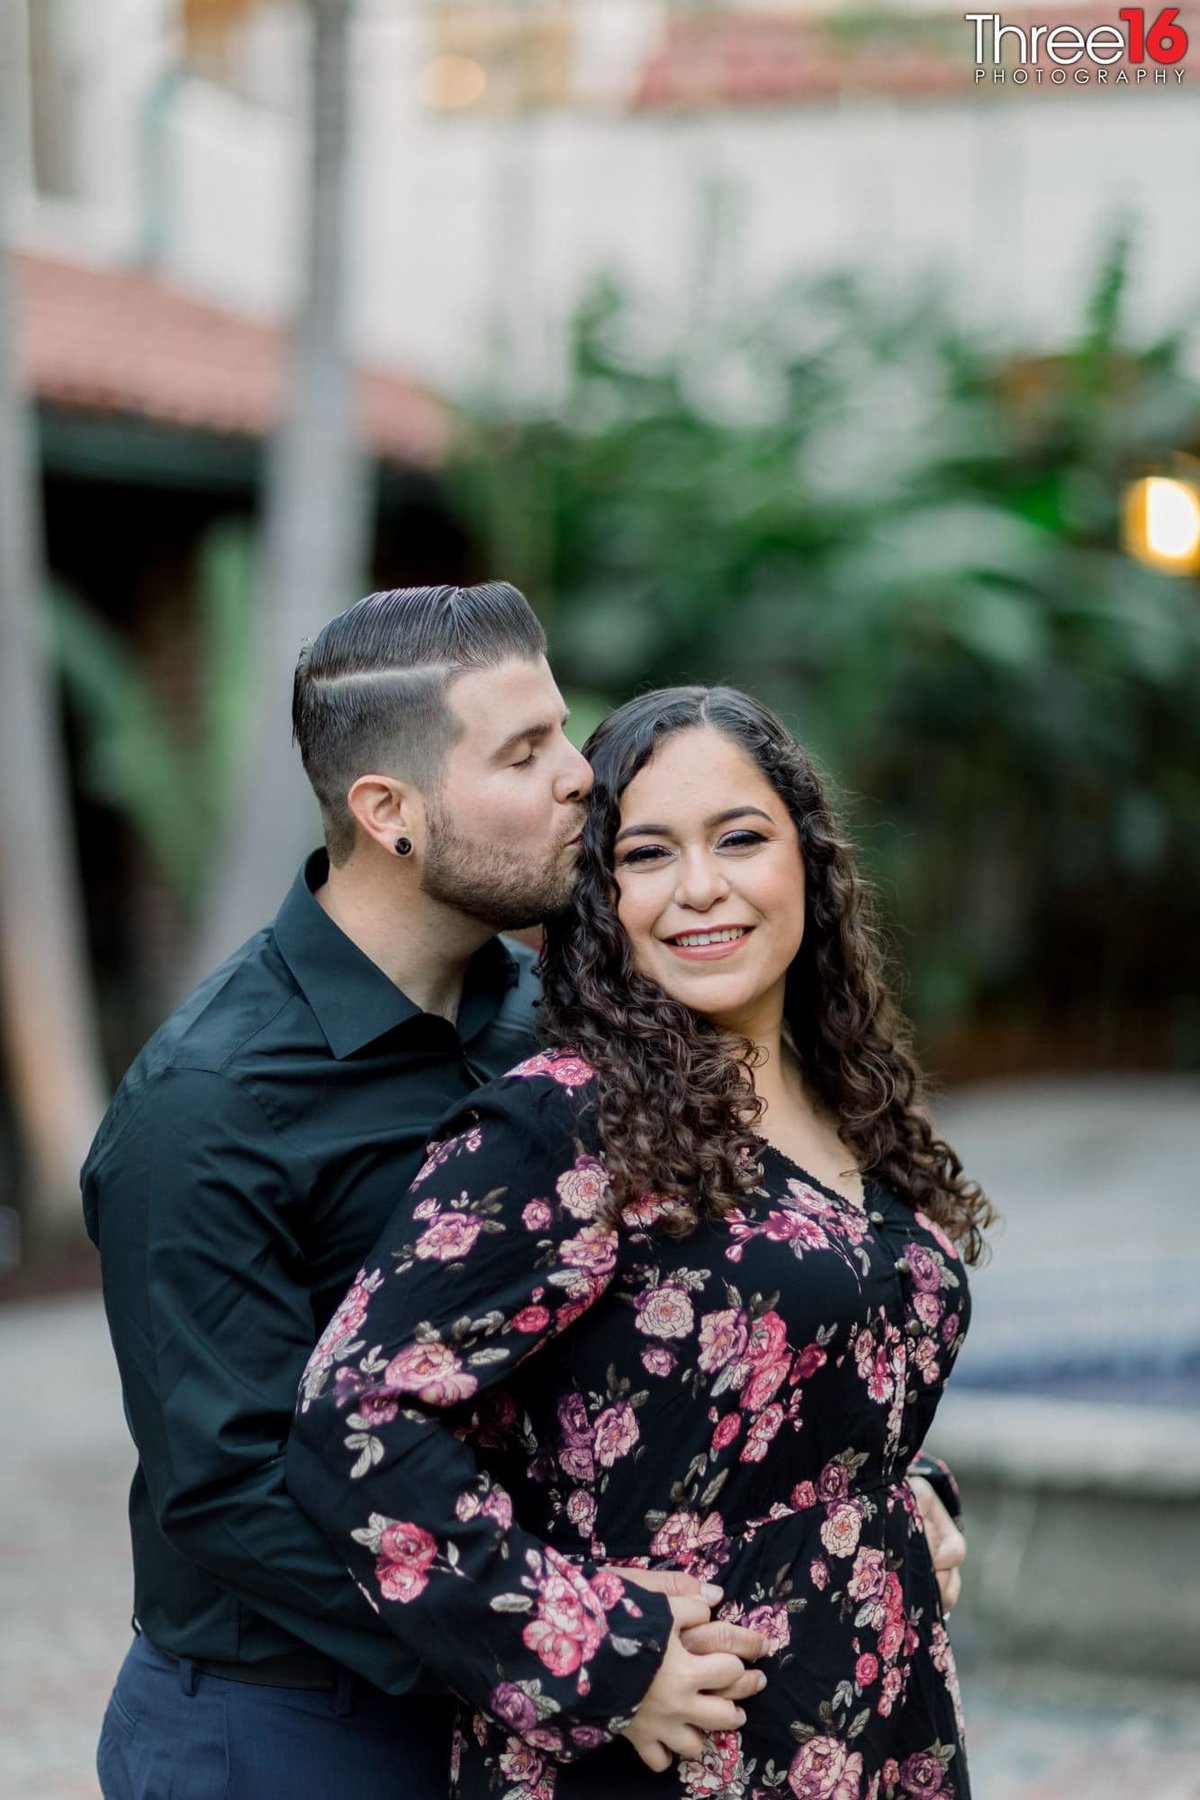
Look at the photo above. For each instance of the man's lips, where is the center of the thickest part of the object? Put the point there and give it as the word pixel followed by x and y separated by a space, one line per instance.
pixel 717 941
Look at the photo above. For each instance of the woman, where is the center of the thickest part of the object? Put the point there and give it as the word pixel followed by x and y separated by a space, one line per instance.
pixel 680 1292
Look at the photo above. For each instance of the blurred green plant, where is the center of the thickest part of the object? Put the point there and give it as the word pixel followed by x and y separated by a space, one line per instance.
pixel 171 780
pixel 905 538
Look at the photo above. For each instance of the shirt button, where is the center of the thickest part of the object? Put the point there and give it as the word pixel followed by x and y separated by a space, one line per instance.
pixel 876 1218
pixel 913 1328
pixel 902 1265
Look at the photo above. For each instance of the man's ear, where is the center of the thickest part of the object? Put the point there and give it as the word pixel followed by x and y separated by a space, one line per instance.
pixel 385 809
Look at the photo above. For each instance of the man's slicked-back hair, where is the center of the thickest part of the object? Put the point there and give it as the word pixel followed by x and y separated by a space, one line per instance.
pixel 370 691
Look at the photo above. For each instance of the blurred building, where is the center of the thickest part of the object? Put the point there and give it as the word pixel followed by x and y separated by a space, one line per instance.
pixel 507 149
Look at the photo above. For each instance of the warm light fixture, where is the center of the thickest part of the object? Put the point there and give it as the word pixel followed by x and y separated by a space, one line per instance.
pixel 1161 524
pixel 451 82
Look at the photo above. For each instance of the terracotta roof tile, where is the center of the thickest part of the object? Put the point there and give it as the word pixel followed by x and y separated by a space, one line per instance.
pixel 761 60
pixel 121 341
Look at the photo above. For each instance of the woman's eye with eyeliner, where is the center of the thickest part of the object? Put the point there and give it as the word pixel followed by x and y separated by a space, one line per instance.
pixel 739 840
pixel 648 853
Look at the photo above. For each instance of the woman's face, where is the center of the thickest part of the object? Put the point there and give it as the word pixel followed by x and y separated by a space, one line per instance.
pixel 710 880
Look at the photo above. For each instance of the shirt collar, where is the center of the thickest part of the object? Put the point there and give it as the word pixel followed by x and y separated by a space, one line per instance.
pixel 352 999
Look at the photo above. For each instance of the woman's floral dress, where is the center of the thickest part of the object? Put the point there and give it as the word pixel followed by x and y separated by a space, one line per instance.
pixel 514 1397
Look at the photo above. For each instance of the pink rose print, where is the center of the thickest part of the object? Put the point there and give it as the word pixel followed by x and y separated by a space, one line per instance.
pixel 683 1535
pixel 537 1215
pixel 665 1312
pixel 616 1433
pixel 431 1372
pixel 717 1775
pixel 950 1328
pixel 810 1359
pixel 568 1071
pixel 893 1681
pixel 531 1319
pixel 833 1483
pixel 513 1707
pixel 924 1267
pixel 890 1772
pixel 804 1495
pixel 921 1774
pixel 337 1341
pixel 767 1356
pixel 818 1573
pixel 775 1625
pixel 588 1737
pixel 868 1576
pixel 656 1360
pixel 569 1626
pixel 727 1428
pixel 575 1456
pixel 583 1189
pixel 928 1308
pixel 448 1238
pixel 375 1410
pixel 825 1769
pixel 581 1510
pixel 405 1554
pixel 866 1669
pixel 593 1253
pixel 795 1229
pixel 723 1339
pixel 924 1358
pixel 762 1430
pixel 495 1504
pixel 521 1763
pixel 936 1231
pixel 842 1528
pixel 608 1588
pixel 646 1210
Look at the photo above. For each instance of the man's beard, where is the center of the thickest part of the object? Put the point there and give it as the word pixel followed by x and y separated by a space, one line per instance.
pixel 500 888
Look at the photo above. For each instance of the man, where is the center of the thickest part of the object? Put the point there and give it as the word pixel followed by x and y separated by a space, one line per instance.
pixel 254 1152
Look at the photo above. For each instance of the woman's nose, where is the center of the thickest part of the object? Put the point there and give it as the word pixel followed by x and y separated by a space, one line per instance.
pixel 702 882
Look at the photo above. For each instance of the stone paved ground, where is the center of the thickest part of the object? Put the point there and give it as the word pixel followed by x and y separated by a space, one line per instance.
pixel 1098 1182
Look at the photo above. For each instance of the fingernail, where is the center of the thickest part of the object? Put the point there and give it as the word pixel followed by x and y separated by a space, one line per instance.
pixel 741 1718
pixel 762 1682
pixel 711 1592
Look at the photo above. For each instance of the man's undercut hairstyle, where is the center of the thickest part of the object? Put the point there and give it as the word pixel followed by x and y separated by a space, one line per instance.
pixel 370 691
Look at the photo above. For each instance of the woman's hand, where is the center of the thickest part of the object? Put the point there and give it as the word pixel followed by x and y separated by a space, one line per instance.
pixel 686 1699
pixel 710 1635
pixel 947 1545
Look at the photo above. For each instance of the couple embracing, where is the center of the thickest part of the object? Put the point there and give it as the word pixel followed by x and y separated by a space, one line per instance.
pixel 631 1312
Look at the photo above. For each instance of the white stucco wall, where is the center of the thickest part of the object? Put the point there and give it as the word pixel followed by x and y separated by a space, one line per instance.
pixel 460 226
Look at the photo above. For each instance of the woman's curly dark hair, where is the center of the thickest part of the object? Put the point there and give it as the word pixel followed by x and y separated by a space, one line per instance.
pixel 675 1103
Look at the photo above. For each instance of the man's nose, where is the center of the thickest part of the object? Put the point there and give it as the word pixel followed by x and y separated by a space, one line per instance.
pixel 576 781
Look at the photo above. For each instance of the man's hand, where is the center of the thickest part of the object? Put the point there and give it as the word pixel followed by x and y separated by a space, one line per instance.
pixel 685 1699
pixel 710 1636
pixel 947 1545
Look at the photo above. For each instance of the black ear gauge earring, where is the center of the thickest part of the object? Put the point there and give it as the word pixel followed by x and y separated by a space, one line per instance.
pixel 403 846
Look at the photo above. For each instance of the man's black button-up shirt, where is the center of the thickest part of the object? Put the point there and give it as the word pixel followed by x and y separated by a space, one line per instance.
pixel 251 1157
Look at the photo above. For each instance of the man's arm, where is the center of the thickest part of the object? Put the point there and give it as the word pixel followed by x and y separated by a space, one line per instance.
pixel 199 1211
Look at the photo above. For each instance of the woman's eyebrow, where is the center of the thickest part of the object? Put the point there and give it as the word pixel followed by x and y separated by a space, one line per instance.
pixel 721 818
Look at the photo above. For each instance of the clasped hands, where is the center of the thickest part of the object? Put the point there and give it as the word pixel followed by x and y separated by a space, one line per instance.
pixel 703 1675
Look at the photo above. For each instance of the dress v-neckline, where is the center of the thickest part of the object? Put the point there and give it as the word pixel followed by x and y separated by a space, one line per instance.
pixel 821 1186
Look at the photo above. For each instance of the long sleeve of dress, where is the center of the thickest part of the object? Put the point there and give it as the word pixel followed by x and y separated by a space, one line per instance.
pixel 496 1248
